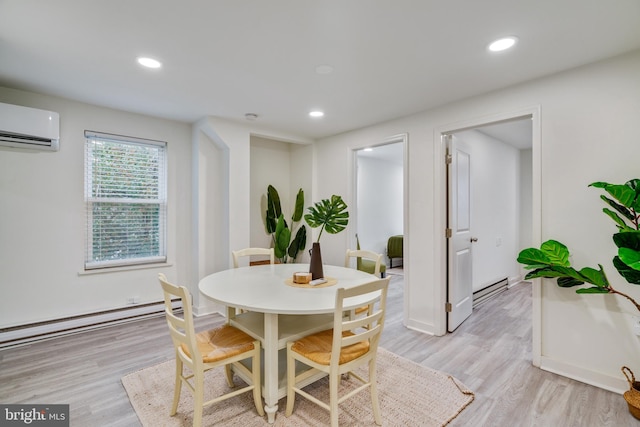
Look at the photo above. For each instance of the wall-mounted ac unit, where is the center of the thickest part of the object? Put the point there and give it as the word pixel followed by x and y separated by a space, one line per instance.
pixel 25 127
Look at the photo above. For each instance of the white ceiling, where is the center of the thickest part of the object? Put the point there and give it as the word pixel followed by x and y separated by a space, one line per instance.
pixel 518 133
pixel 227 58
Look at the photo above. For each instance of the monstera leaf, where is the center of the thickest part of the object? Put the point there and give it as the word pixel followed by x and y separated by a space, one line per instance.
pixel 329 214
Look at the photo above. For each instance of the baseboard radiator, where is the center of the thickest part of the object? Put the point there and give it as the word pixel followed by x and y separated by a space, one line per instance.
pixel 25 334
pixel 490 291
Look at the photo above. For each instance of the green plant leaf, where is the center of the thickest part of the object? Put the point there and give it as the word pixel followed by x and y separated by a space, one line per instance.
pixel 282 237
pixel 557 252
pixel 622 225
pixel 635 185
pixel 627 239
pixel 630 275
pixel 282 243
pixel 568 282
pixel 329 214
pixel 299 207
pixel 628 244
pixel 533 258
pixel 553 271
pixel 623 193
pixel 274 210
pixel 592 291
pixel 623 210
pixel 630 257
pixel 595 277
pixel 598 184
pixel 298 243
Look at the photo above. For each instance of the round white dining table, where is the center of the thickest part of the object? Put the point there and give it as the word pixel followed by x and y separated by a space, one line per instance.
pixel 276 312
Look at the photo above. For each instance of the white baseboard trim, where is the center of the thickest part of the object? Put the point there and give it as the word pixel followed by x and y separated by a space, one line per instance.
pixel 596 379
pixel 515 280
pixel 425 328
pixel 25 334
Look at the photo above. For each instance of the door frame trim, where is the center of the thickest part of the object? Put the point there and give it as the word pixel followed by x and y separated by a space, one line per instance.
pixel 440 214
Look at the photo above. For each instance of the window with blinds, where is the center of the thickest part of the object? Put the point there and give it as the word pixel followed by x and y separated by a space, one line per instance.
pixel 125 194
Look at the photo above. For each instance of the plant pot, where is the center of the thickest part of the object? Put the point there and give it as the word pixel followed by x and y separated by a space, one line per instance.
pixel 632 396
pixel 315 266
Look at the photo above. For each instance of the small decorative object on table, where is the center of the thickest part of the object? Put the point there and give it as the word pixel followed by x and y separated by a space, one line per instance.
pixel 301 278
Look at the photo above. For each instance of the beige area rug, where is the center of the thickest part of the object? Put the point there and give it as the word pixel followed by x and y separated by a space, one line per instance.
pixel 410 395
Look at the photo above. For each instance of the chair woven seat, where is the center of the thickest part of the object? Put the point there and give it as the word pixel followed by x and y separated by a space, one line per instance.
pixel 221 343
pixel 317 347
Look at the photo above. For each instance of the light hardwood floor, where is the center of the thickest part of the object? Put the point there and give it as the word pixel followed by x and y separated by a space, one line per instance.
pixel 490 353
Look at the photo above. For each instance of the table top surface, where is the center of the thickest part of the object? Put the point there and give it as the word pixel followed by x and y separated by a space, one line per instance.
pixel 263 288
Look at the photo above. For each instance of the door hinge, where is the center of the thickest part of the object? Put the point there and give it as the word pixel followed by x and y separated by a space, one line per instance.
pixel 447 307
pixel 448 159
pixel 448 233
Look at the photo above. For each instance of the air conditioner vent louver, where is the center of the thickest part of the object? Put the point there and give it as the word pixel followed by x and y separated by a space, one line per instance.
pixel 25 139
pixel 24 127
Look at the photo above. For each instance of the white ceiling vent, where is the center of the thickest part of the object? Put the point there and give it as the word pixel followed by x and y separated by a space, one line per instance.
pixel 25 127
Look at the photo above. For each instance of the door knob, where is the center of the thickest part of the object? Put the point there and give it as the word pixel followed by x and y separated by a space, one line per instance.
pixel 474 239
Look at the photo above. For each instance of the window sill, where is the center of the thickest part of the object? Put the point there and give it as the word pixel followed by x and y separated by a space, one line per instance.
pixel 124 268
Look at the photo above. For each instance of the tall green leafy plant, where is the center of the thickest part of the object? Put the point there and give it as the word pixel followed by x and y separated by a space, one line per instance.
pixel 284 248
pixel 552 259
pixel 329 214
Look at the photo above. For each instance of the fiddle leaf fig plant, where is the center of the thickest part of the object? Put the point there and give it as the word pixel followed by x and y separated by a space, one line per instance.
pixel 552 259
pixel 329 214
pixel 283 247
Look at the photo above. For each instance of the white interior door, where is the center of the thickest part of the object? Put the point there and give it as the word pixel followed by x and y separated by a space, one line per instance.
pixel 459 244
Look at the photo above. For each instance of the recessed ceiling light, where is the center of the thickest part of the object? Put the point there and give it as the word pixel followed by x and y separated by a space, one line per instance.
pixel 502 44
pixel 251 116
pixel 324 69
pixel 316 114
pixel 149 62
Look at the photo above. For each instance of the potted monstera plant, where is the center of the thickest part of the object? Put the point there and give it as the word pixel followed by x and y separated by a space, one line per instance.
pixel 330 215
pixel 552 260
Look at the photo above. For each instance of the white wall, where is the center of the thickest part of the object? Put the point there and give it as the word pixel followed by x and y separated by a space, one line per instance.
pixel 495 168
pixel 380 203
pixel 43 227
pixel 589 132
pixel 270 165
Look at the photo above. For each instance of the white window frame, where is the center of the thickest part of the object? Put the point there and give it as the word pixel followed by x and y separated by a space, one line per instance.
pixel 90 263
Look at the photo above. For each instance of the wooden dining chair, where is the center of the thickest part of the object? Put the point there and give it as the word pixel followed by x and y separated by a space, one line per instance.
pixel 370 265
pixel 350 344
pixel 224 346
pixel 362 255
pixel 251 252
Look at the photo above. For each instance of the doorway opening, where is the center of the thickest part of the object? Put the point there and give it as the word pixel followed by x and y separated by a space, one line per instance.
pixel 380 198
pixel 488 211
